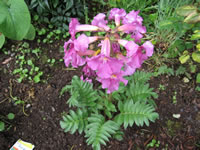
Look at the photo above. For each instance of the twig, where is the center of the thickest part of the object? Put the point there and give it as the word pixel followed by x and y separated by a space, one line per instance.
pixel 4 100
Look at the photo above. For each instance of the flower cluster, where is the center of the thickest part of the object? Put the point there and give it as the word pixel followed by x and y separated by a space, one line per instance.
pixel 109 55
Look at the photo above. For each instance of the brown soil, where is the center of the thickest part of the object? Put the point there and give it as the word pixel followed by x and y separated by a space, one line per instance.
pixel 39 122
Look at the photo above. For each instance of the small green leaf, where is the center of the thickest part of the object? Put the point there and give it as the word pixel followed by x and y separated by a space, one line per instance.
pixel 2 126
pixel 36 78
pixel 196 56
pixel 195 36
pixel 186 10
pixel 69 4
pixel 2 40
pixel 184 58
pixel 198 78
pixel 11 116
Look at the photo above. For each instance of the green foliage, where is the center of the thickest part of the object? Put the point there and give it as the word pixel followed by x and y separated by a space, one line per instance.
pixel 153 143
pixel 15 22
pixel 82 93
pixel 2 126
pixel 100 115
pixel 74 121
pixel 98 130
pixel 169 28
pixel 11 116
pixel 191 13
pixel 4 121
pixel 164 70
pixel 2 39
pixel 138 113
pixel 26 68
pixel 55 12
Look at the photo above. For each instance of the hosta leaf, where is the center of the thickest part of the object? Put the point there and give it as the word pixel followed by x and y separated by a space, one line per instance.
pixel 196 56
pixel 2 40
pixel 17 22
pixel 186 10
pixel 31 33
pixel 192 18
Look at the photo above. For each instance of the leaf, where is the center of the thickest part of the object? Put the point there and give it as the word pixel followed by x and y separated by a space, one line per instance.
pixel 36 78
pixel 74 121
pixel 2 126
pixel 184 58
pixel 138 113
pixel 11 116
pixel 17 22
pixel 165 24
pixel 69 4
pixel 192 18
pixel 198 78
pixel 2 40
pixel 198 47
pixel 195 36
pixel 186 10
pixel 98 131
pixel 196 56
pixel 31 33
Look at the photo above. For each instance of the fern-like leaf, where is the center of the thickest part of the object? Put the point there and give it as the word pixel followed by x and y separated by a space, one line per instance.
pixel 140 92
pixel 74 121
pixel 138 113
pixel 140 77
pixel 82 93
pixel 98 131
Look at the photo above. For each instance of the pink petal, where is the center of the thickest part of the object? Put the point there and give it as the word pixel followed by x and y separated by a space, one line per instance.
pixel 105 49
pixel 72 27
pixel 86 27
pixel 148 46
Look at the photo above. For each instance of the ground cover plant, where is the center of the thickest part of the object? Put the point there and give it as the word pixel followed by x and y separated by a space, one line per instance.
pixel 103 96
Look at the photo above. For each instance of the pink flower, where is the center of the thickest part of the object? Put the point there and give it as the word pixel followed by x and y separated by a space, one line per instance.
pixel 112 82
pixel 117 14
pixel 72 27
pixel 71 55
pixel 81 44
pixel 105 47
pixel 86 79
pixel 86 27
pixel 127 28
pixel 104 65
pixel 132 17
pixel 88 71
pixel 115 47
pixel 137 36
pixel 130 46
pixel 148 47
pixel 100 22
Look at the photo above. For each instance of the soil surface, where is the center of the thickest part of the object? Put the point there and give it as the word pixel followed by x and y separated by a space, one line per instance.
pixel 37 120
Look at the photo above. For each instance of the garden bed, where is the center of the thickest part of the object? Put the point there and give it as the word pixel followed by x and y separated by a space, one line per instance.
pixel 37 119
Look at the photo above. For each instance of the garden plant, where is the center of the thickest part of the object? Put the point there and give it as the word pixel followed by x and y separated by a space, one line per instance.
pixel 109 57
pixel 100 74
